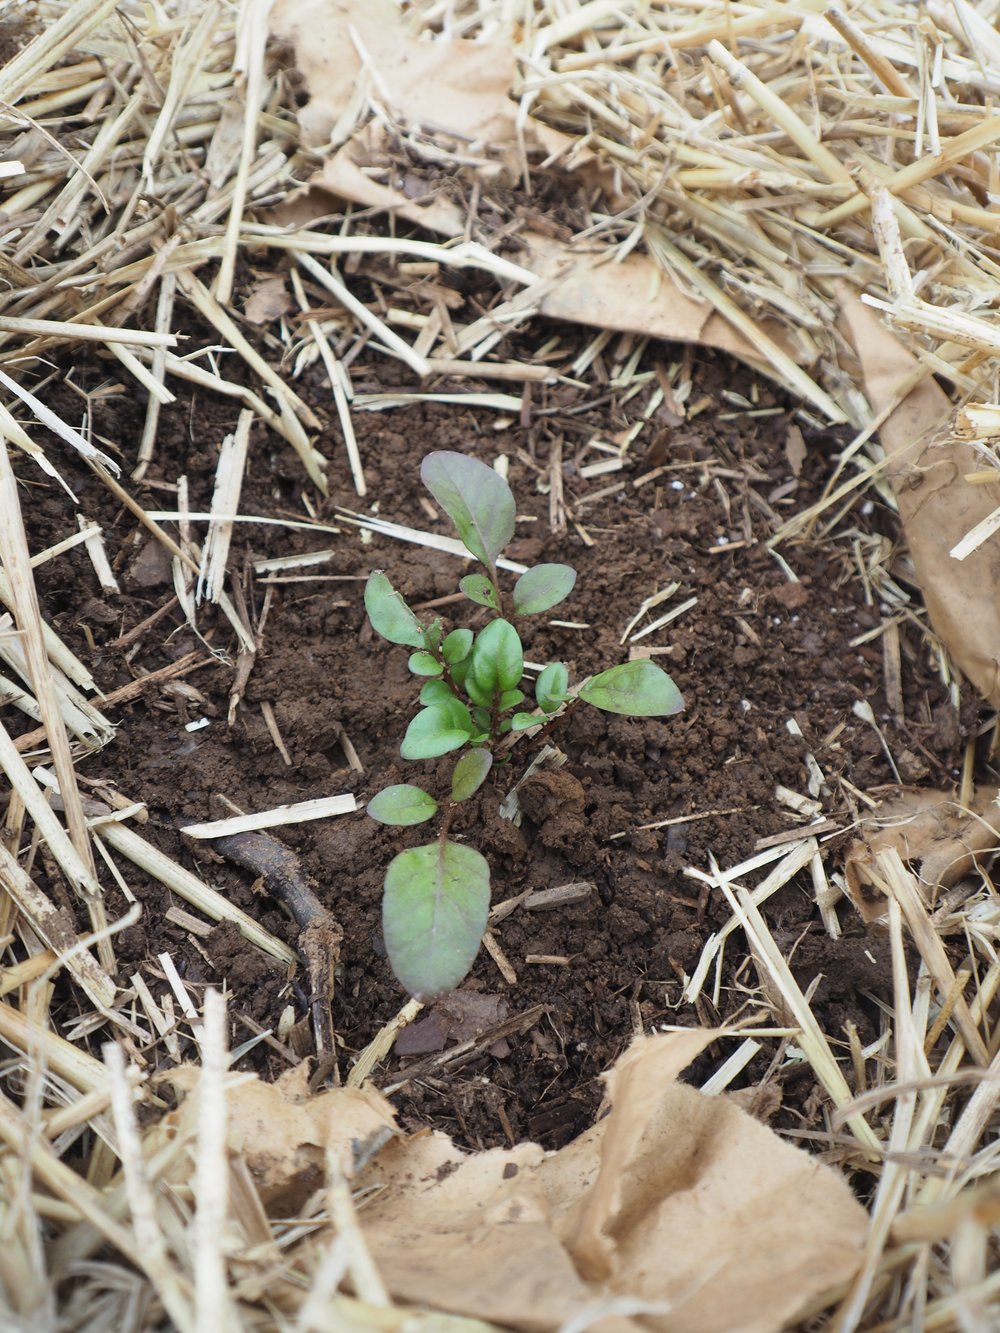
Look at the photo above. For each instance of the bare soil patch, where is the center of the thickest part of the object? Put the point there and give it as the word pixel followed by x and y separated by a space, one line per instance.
pixel 755 651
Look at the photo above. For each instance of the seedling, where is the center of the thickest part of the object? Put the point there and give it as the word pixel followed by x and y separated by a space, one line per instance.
pixel 437 897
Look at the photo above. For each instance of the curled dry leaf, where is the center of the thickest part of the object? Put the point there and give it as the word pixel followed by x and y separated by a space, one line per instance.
pixel 269 300
pixel 461 90
pixel 755 1229
pixel 939 838
pixel 927 468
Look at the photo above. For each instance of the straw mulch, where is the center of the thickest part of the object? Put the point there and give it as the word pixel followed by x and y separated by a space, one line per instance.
pixel 741 146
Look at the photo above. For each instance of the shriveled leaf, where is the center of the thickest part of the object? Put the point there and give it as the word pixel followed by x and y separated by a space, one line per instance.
pixel 637 689
pixel 480 590
pixel 456 646
pixel 424 664
pixel 402 804
pixel 551 686
pixel 542 587
pixel 470 774
pixel 389 614
pixel 434 911
pixel 497 661
pixel 476 499
pixel 436 692
pixel 437 729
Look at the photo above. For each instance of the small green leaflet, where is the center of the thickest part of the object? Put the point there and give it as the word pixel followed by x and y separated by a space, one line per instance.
pixel 480 590
pixel 437 729
pixel 456 646
pixel 389 614
pixel 402 804
pixel 476 692
pixel 542 587
pixel 637 689
pixel 481 717
pixel 470 773
pixel 434 912
pixel 551 686
pixel 424 664
pixel 436 692
pixel 476 499
pixel 497 661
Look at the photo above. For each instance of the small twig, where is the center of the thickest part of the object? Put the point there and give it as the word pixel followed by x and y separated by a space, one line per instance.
pixel 320 937
pixel 460 1055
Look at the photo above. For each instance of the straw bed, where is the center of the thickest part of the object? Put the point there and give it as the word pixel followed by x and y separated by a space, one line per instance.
pixel 757 159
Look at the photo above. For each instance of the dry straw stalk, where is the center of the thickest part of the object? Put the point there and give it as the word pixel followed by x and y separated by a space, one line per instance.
pixel 763 158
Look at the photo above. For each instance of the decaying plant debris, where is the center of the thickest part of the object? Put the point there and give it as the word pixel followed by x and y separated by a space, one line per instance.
pixel 761 178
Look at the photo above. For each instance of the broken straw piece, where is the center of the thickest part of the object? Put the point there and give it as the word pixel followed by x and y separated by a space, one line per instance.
pixel 55 424
pixel 320 808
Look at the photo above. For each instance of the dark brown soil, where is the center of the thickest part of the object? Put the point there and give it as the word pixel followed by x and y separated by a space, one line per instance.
pixel 754 652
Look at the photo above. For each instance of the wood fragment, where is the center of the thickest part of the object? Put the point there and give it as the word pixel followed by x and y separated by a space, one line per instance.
pixel 205 899
pixel 320 937
pixel 271 722
pixel 492 946
pixel 562 895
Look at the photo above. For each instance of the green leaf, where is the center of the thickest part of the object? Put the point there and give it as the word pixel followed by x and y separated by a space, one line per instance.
pixel 480 590
pixel 476 499
pixel 484 698
pixel 436 692
pixel 432 635
pixel 638 689
pixel 456 646
pixel 481 717
pixel 551 686
pixel 521 721
pixel 424 664
pixel 470 773
pixel 510 699
pixel 389 614
pixel 434 912
pixel 497 661
pixel 437 729
pixel 459 671
pixel 403 804
pixel 542 587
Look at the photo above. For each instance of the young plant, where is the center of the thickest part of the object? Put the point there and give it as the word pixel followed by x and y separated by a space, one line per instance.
pixel 437 897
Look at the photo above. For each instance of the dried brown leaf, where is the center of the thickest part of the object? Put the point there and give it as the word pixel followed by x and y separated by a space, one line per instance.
pixel 927 469
pixel 755 1229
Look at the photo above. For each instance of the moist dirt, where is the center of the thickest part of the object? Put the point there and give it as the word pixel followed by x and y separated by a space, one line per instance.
pixel 755 651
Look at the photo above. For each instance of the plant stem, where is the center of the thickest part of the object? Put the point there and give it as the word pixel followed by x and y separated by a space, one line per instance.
pixel 491 569
pixel 446 821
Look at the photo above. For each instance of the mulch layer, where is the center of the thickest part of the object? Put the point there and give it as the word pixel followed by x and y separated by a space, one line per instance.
pixel 753 653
